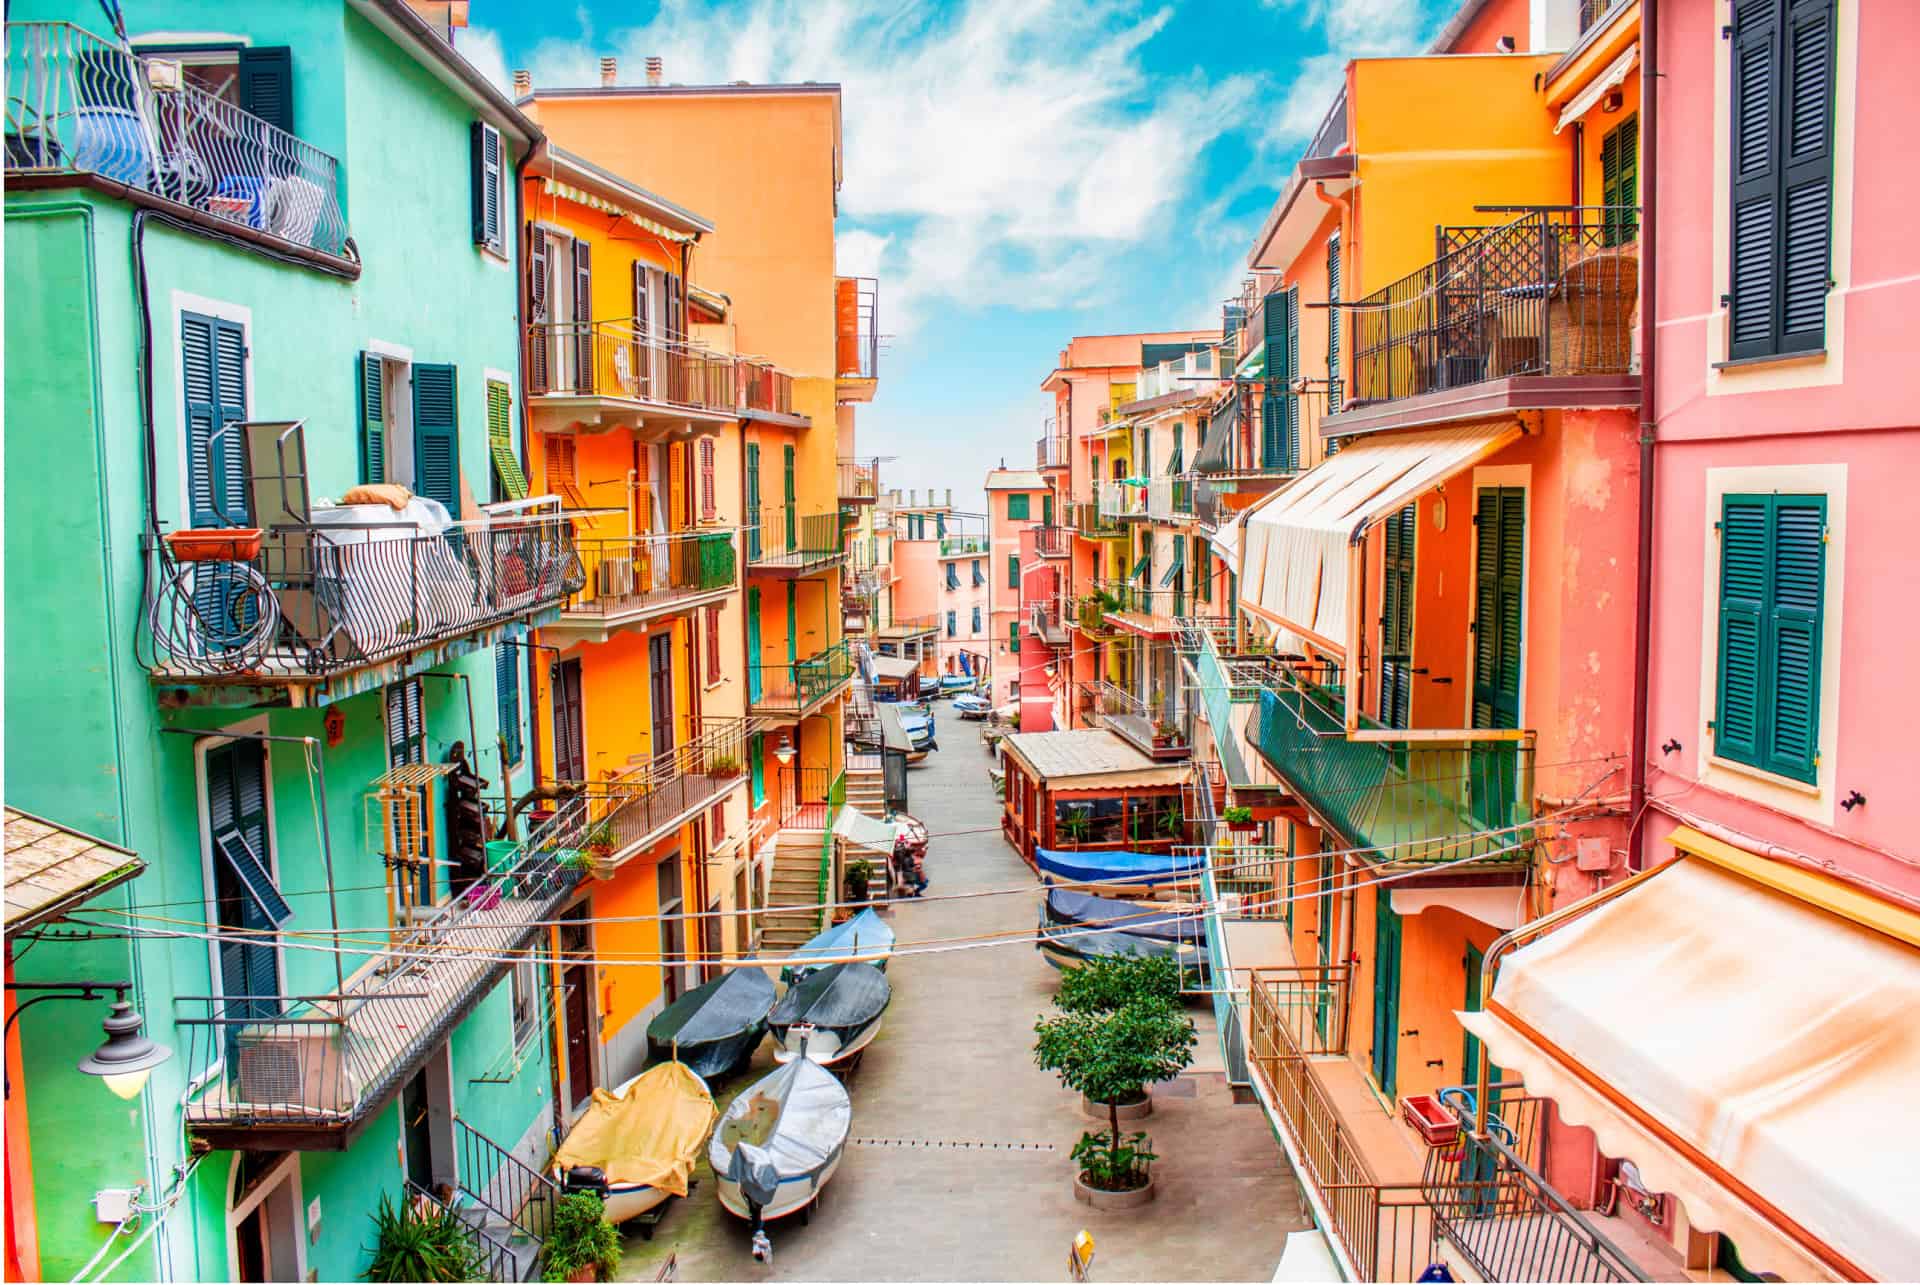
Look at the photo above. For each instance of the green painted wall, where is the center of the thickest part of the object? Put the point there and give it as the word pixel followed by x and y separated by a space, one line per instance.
pixel 84 736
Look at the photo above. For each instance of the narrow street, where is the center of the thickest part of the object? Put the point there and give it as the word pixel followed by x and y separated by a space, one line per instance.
pixel 958 1167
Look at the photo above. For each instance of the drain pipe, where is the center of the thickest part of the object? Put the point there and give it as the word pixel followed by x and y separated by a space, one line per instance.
pixel 1649 423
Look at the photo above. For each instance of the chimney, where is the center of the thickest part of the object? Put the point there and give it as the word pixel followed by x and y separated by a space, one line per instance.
pixel 607 69
pixel 522 83
pixel 655 71
pixel 949 497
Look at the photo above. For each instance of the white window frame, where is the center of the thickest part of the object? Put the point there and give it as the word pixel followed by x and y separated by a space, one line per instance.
pixel 284 1172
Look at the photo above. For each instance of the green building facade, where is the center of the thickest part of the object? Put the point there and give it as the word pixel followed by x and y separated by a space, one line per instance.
pixel 285 213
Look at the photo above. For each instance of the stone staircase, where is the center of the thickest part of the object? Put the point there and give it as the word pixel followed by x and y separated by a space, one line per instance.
pixel 867 792
pixel 795 882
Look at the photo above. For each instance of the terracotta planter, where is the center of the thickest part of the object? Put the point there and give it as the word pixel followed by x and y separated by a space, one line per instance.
pixel 588 1273
pixel 1128 1110
pixel 215 544
pixel 1100 1199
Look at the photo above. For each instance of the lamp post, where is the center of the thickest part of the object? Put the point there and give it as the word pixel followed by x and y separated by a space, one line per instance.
pixel 127 1058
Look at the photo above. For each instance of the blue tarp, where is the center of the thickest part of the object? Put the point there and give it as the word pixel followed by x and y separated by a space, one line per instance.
pixel 864 934
pixel 1117 867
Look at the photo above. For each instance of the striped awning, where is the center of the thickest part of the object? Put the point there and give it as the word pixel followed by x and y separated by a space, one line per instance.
pixel 579 196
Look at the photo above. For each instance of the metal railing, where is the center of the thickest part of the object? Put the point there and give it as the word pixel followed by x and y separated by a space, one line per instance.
pixel 632 808
pixel 1273 434
pixel 619 357
pixel 1219 690
pixel 1052 541
pixel 79 104
pixel 1591 11
pixel 1049 619
pixel 1413 801
pixel 497 1180
pixel 628 575
pixel 1092 521
pixel 859 481
pixel 800 685
pixel 1050 451
pixel 777 535
pixel 763 386
pixel 960 545
pixel 1120 500
pixel 1156 726
pixel 908 626
pixel 857 333
pixel 1554 292
pixel 326 1061
pixel 497 1256
pixel 1170 499
pixel 321 599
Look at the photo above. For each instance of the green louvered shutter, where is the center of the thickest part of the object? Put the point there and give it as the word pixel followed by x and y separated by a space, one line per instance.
pixel 1396 619
pixel 506 683
pixel 754 662
pixel 1335 381
pixel 755 519
pixel 793 623
pixel 756 758
pixel 1793 634
pixel 1013 571
pixel 511 480
pixel 1620 181
pixel 1500 546
pixel 1737 722
pixel 436 436
pixel 368 372
pixel 789 494
pixel 1293 373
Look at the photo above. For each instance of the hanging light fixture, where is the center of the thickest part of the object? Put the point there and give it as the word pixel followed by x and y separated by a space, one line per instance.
pixel 128 1057
pixel 783 748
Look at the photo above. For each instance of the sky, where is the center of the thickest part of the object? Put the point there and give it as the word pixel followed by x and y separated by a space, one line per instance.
pixel 1017 171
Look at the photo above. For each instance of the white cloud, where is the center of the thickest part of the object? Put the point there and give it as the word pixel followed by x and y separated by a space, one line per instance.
pixel 1013 152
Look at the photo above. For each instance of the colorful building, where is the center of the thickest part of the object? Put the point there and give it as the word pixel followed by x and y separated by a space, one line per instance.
pixel 1017 501
pixel 291 570
pixel 910 621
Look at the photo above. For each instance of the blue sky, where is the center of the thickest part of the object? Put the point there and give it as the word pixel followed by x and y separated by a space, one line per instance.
pixel 1017 171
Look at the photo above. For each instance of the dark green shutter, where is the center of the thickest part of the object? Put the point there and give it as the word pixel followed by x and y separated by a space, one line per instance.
pixel 1396 618
pixel 789 494
pixel 369 374
pixel 1046 509
pixel 1772 602
pixel 237 804
pixel 755 518
pixel 213 357
pixel 489 164
pixel 1807 195
pixel 1293 373
pixel 1202 570
pixel 506 683
pixel 1500 547
pixel 266 84
pixel 1013 571
pixel 1013 635
pixel 436 436
pixel 1279 408
pixel 1018 508
pixel 1620 181
pixel 1335 382
pixel 793 624
pixel 1386 993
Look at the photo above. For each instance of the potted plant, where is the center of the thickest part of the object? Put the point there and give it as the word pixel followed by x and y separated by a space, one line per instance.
pixel 419 1240
pixel 1240 818
pixel 582 1245
pixel 1111 1056
pixel 724 766
pixel 1075 827
pixel 1163 734
pixel 598 842
pixel 859 878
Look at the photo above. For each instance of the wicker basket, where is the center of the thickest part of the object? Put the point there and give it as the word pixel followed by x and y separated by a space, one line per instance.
pixel 1590 319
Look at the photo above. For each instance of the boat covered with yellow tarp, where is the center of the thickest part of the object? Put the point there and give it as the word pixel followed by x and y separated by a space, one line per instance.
pixel 636 1145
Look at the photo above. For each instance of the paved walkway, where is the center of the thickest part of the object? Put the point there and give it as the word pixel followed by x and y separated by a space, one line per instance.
pixel 958 1169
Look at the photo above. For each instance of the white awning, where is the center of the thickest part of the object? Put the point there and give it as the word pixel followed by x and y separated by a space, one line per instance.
pixel 1226 539
pixel 1615 74
pixel 863 831
pixel 1744 1032
pixel 894 666
pixel 1297 542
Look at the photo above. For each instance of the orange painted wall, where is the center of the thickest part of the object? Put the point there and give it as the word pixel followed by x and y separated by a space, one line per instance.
pixel 613 256
pixel 623 992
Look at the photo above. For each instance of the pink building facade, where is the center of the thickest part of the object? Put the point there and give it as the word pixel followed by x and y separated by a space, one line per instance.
pixel 1017 501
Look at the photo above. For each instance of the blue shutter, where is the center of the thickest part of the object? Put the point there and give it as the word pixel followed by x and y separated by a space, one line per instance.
pixel 436 436
pixel 506 682
pixel 213 355
pixel 236 775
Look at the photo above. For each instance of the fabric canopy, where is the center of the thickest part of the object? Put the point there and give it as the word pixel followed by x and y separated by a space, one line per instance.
pixel 894 666
pixel 1226 540
pixel 1296 562
pixel 863 831
pixel 1750 1052
pixel 649 1132
pixel 1616 73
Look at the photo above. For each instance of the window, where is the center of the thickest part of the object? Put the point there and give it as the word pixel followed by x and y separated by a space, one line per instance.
pixel 1013 635
pixel 976 621
pixel 213 355
pixel 436 436
pixel 509 483
pixel 1179 459
pixel 489 164
pixel 526 1002
pixel 256 80
pixel 1620 182
pixel 713 644
pixel 716 823
pixel 1013 571
pixel 756 768
pixel 1772 595
pixel 1018 507
pixel 953 624
pixel 979 575
pixel 1782 173
pixel 1396 618
pixel 506 685
pixel 709 502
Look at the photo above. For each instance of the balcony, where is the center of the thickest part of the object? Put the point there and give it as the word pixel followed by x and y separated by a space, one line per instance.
pixel 859 481
pixel 1122 501
pixel 796 690
pixel 1267 438
pixel 1049 618
pixel 1592 11
pixel 961 546
pixel 1155 728
pixel 1053 541
pixel 765 392
pixel 856 338
pixel 80 106
pixel 634 579
pixel 320 611
pixel 1051 450
pixel 310 1072
pixel 782 541
pixel 595 376
pixel 1092 522
pixel 1535 313
pixel 634 810
pixel 1422 801
pixel 1195 374
pixel 901 628
pixel 1170 499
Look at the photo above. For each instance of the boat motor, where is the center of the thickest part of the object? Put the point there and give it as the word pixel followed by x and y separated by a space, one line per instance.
pixel 585 1178
pixel 759 1181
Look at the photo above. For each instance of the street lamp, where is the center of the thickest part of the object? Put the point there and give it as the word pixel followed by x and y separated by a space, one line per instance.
pixel 783 748
pixel 127 1058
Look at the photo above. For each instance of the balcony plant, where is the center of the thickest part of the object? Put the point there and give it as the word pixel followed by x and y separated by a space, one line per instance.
pixel 1240 818
pixel 598 842
pixel 420 1240
pixel 859 879
pixel 582 1245
pixel 1170 821
pixel 1163 734
pixel 725 766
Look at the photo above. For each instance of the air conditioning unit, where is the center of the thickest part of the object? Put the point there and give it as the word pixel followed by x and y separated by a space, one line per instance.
pixel 300 1072
pixel 615 578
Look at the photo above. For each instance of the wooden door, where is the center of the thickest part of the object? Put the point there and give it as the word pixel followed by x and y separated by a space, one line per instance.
pixel 578 1007
pixel 1386 992
pixel 660 690
pixel 569 732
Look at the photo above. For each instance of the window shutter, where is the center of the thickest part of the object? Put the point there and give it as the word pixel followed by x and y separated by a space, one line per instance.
pixel 1500 544
pixel 953 624
pixel 511 480
pixel 1396 622
pixel 643 332
pixel 1737 719
pixel 1793 634
pixel 506 682
pixel 213 356
pixel 436 436
pixel 539 339
pixel 1179 460
pixel 266 85
pixel 713 643
pixel 976 621
pixel 488 163
pixel 1807 198
pixel 1013 635
pixel 676 486
pixel 709 506
pixel 793 623
pixel 1013 571
pixel 754 518
pixel 1046 512
pixel 1018 509
pixel 1293 373
pixel 369 374
pixel 788 494
pixel 1335 381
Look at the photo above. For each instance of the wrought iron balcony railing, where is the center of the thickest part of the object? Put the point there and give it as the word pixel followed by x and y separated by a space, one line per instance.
pixel 631 810
pixel 1591 11
pixel 1052 541
pixel 619 358
pixel 1051 450
pixel 781 536
pixel 859 481
pixel 1094 523
pixel 322 599
pixel 1414 801
pixel 637 576
pixel 791 689
pixel 80 104
pixel 1554 292
pixel 280 1072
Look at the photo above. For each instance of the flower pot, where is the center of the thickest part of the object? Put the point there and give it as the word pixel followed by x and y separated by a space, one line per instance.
pixel 215 544
pixel 1128 1110
pixel 1099 1198
pixel 587 1273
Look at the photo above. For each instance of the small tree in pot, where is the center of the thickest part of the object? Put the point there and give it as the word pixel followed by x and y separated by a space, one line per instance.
pixel 582 1245
pixel 859 879
pixel 1111 1056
